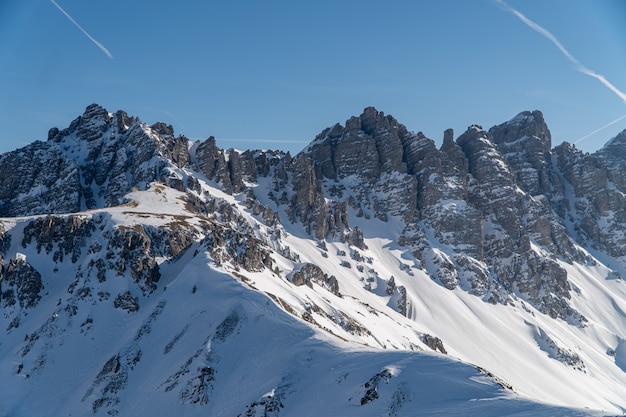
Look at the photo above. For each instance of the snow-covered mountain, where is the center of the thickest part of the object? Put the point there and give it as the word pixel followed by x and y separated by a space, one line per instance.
pixel 372 274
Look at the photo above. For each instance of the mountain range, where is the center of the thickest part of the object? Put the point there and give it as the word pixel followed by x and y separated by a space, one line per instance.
pixel 371 274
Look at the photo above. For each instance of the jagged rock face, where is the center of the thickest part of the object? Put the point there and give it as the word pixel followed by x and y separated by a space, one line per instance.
pixel 494 193
pixel 598 185
pixel 308 201
pixel 525 142
pixel 175 149
pixel 485 197
pixel 63 236
pixel 516 210
pixel 38 176
pixel 442 193
pixel 493 213
pixel 208 155
pixel 21 284
pixel 309 273
pixel 370 148
pixel 614 155
pixel 231 169
pixel 439 177
pixel 131 248
pixel 473 195
pixel 228 245
pixel 367 146
pixel 433 342
pixel 615 149
pixel 93 163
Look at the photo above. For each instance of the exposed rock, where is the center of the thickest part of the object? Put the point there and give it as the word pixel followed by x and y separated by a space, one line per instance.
pixel 433 342
pixel 371 387
pixel 525 143
pixel 562 354
pixel 63 236
pixel 38 179
pixel 489 213
pixel 113 378
pixel 171 241
pixel 173 148
pixel 269 405
pixel 368 146
pixel 132 250
pixel 308 201
pixel 121 153
pixel 21 283
pixel 309 273
pixel 126 301
pixel 391 286
pixel 402 303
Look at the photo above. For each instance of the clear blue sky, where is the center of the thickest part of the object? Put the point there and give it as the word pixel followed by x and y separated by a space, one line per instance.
pixel 278 72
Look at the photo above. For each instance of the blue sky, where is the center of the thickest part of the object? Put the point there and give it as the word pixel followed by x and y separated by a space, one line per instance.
pixel 273 74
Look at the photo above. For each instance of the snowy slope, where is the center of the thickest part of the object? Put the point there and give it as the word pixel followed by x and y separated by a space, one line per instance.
pixel 205 340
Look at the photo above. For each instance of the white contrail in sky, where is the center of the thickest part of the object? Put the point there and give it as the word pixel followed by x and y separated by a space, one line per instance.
pixel 601 128
pixel 98 44
pixel 580 67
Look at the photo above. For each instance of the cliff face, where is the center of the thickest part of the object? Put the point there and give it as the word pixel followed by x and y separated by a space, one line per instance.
pixel 107 213
pixel 487 196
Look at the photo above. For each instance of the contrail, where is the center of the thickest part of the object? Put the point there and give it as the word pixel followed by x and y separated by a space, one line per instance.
pixel 170 114
pixel 98 44
pixel 580 67
pixel 600 128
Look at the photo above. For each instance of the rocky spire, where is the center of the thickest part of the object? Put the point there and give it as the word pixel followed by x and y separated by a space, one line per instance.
pixel 525 142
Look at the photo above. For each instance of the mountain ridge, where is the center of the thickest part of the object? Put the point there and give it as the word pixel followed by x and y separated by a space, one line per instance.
pixel 372 235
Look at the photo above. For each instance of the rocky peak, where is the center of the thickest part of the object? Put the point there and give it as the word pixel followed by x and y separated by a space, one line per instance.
pixel 374 121
pixel 525 124
pixel 481 152
pixel 368 145
pixel 92 123
pixel 176 149
pixel 123 121
pixel 471 194
pixel 163 129
pixel 615 149
pixel 454 152
pixel 92 163
pixel 525 142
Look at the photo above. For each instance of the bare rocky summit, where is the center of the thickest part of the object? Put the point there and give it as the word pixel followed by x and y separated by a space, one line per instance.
pixel 500 214
pixel 488 196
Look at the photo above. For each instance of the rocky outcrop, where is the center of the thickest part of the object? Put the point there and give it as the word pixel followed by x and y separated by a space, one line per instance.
pixel 598 184
pixel 433 342
pixel 61 236
pixel 309 273
pixel 21 284
pixel 93 163
pixel 372 385
pixel 132 251
pixel 38 179
pixel 525 143
pixel 126 301
pixel 496 213
pixel 479 213
pixel 307 201
pixel 239 249
pixel 367 146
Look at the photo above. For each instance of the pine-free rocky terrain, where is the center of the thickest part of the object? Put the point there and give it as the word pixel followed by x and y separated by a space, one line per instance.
pixel 371 274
